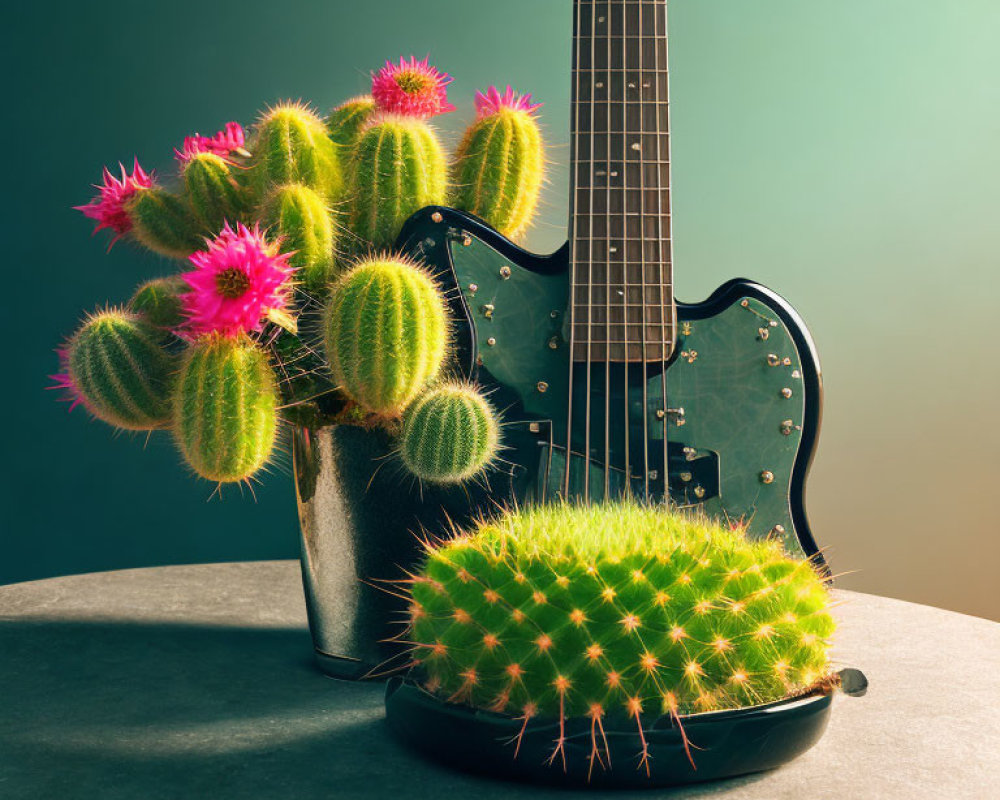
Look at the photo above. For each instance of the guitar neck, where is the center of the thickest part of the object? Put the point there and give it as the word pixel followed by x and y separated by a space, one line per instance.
pixel 622 301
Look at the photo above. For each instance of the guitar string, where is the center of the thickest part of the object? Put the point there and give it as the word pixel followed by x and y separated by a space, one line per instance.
pixel 624 218
pixel 590 268
pixel 574 244
pixel 665 260
pixel 607 266
pixel 642 265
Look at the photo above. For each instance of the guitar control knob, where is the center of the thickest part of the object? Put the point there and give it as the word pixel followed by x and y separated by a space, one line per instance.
pixel 767 476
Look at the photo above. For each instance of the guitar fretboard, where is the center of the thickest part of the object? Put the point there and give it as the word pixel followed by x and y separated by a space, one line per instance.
pixel 622 296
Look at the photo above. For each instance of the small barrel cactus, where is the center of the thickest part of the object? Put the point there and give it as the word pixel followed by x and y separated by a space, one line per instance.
pixel 615 611
pixel 398 168
pixel 291 146
pixel 225 408
pixel 499 164
pixel 301 220
pixel 120 372
pixel 159 302
pixel 450 434
pixel 386 334
pixel 212 190
pixel 164 223
pixel 346 121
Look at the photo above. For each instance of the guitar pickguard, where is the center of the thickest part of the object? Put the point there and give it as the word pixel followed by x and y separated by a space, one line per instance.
pixel 742 405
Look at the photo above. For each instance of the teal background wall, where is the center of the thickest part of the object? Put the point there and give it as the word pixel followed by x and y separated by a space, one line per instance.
pixel 843 153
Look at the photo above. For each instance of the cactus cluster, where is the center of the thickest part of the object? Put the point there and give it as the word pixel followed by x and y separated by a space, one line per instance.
pixel 616 611
pixel 293 304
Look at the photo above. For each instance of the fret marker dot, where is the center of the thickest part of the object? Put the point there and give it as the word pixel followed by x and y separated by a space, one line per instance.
pixel 600 84
pixel 636 146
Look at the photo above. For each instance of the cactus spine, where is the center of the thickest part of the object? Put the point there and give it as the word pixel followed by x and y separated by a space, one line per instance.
pixel 158 302
pixel 399 168
pixel 214 194
pixel 450 434
pixel 292 146
pixel 122 373
pixel 386 334
pixel 164 223
pixel 346 120
pixel 499 167
pixel 575 611
pixel 302 221
pixel 225 408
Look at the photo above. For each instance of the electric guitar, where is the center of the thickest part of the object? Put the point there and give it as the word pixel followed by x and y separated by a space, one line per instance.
pixel 611 387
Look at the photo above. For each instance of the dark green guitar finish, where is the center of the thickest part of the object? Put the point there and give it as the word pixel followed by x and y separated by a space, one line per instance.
pixel 743 393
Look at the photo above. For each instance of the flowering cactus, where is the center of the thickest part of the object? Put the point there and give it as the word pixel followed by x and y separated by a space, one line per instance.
pixel 159 302
pixel 450 434
pixel 386 334
pixel 164 222
pixel 212 190
pixel 500 162
pixel 399 168
pixel 227 143
pixel 291 146
pixel 117 368
pixel 225 409
pixel 615 611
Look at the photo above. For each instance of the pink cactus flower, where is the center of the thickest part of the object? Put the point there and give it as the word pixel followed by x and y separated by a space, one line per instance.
pixel 238 279
pixel 229 140
pixel 492 102
pixel 63 382
pixel 108 208
pixel 413 88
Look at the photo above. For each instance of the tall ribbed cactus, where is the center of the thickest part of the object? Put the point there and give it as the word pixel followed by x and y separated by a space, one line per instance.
pixel 450 434
pixel 615 611
pixel 386 334
pixel 212 190
pixel 120 370
pixel 500 163
pixel 164 223
pixel 302 221
pixel 398 168
pixel 158 302
pixel 225 408
pixel 291 146
pixel 346 121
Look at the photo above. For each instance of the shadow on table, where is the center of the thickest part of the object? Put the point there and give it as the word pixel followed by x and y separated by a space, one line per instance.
pixel 125 710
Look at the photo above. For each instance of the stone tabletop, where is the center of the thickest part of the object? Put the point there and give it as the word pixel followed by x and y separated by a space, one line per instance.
pixel 197 682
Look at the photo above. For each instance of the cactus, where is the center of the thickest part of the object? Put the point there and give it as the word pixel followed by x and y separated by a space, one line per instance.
pixel 450 434
pixel 386 334
pixel 225 416
pixel 120 372
pixel 398 168
pixel 499 164
pixel 164 223
pixel 159 303
pixel 575 611
pixel 291 146
pixel 301 220
pixel 346 121
pixel 212 190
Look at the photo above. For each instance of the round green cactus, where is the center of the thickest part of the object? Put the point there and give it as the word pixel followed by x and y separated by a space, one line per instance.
pixel 291 146
pixel 225 408
pixel 450 434
pixel 346 121
pixel 158 302
pixel 617 610
pixel 500 163
pixel 212 190
pixel 164 223
pixel 398 168
pixel 301 219
pixel 386 334
pixel 120 371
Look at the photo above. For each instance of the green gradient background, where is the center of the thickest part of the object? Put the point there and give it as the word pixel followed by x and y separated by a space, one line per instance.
pixel 843 153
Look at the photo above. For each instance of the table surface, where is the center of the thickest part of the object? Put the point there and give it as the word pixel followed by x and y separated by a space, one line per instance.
pixel 197 682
